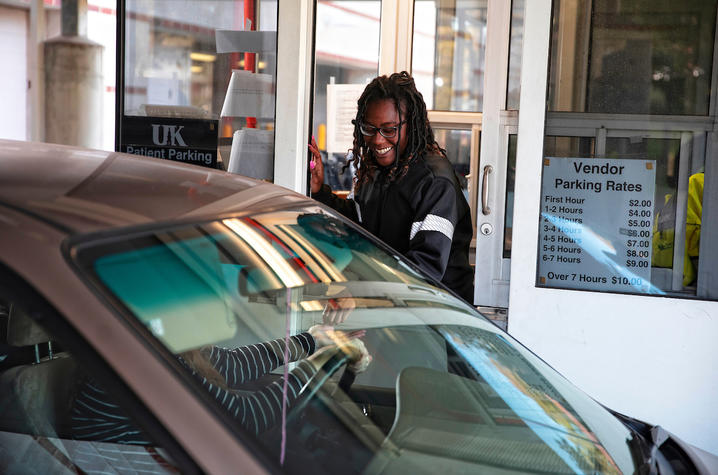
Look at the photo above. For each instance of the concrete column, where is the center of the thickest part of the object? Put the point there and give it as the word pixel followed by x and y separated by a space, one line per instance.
pixel 74 18
pixel 36 73
pixel 73 82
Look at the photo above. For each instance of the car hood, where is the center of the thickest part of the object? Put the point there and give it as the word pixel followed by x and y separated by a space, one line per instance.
pixel 89 190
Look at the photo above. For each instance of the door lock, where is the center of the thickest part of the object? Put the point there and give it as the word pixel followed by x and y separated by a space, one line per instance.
pixel 486 229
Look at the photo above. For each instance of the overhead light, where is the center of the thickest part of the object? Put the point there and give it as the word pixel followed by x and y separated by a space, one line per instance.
pixel 177 41
pixel 203 57
pixel 196 69
pixel 311 305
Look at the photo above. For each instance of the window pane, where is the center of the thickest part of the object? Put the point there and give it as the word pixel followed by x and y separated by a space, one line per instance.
pixel 646 230
pixel 510 186
pixel 457 144
pixel 568 146
pixel 666 152
pixel 344 65
pixel 515 52
pixel 448 53
pixel 172 54
pixel 173 69
pixel 49 394
pixel 621 208
pixel 632 57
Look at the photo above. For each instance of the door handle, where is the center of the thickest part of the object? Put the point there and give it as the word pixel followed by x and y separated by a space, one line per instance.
pixel 485 190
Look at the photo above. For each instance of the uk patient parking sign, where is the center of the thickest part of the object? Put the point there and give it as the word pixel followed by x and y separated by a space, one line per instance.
pixel 182 140
pixel 596 224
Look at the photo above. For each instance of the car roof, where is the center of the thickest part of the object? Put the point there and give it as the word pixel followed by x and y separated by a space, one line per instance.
pixel 82 190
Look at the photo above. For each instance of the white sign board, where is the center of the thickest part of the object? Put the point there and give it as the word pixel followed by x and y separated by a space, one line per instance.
pixel 596 224
pixel 341 110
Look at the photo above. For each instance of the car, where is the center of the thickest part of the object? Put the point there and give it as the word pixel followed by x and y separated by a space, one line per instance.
pixel 117 270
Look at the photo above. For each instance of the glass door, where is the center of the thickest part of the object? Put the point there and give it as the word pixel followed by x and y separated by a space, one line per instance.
pixel 470 88
pixel 494 174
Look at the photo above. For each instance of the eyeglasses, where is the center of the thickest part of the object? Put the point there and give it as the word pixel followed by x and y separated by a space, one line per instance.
pixel 386 132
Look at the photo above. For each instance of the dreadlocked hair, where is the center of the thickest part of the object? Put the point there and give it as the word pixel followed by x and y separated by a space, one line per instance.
pixel 401 90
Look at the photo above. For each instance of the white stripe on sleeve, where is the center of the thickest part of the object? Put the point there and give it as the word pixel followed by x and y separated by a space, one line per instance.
pixel 433 223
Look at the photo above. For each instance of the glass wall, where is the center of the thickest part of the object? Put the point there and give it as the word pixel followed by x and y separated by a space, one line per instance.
pixel 211 64
pixel 625 147
pixel 346 59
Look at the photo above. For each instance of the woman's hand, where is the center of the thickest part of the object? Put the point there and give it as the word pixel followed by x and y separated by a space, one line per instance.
pixel 326 335
pixel 360 364
pixel 316 168
pixel 339 305
pixel 337 310
pixel 355 350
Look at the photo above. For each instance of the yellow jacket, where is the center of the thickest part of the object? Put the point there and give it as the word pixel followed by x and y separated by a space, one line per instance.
pixel 664 230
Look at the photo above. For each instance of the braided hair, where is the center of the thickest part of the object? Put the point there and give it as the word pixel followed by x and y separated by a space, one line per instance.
pixel 401 90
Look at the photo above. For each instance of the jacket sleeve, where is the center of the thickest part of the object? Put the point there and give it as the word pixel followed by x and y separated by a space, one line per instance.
pixel 260 410
pixel 432 229
pixel 347 207
pixel 249 363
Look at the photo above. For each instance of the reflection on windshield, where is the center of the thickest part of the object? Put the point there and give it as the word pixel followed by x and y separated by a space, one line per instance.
pixel 603 252
pixel 444 388
pixel 531 398
pixel 217 269
pixel 291 250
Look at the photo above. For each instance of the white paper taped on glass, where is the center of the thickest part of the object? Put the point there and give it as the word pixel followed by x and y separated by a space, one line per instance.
pixel 341 110
pixel 249 95
pixel 252 153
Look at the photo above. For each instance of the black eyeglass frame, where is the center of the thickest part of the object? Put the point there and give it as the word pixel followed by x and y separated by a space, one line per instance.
pixel 387 135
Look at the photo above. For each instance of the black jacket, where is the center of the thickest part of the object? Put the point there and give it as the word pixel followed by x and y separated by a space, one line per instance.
pixel 424 216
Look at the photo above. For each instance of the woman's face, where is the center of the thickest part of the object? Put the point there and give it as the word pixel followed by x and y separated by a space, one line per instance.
pixel 382 115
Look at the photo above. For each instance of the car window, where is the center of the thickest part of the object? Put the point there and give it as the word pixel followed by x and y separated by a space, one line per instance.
pixel 235 299
pixel 54 415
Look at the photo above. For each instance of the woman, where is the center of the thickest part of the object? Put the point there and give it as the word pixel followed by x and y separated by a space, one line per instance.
pixel 405 189
pixel 95 416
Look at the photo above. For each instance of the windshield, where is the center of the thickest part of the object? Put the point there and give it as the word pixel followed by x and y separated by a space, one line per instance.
pixel 431 385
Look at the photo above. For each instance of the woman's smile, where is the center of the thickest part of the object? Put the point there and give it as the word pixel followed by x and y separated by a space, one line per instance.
pixel 383 114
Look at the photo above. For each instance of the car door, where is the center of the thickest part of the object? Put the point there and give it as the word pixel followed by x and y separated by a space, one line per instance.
pixel 45 380
pixel 88 337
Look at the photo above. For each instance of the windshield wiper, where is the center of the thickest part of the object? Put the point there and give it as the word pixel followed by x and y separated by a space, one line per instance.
pixel 654 450
pixel 641 444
